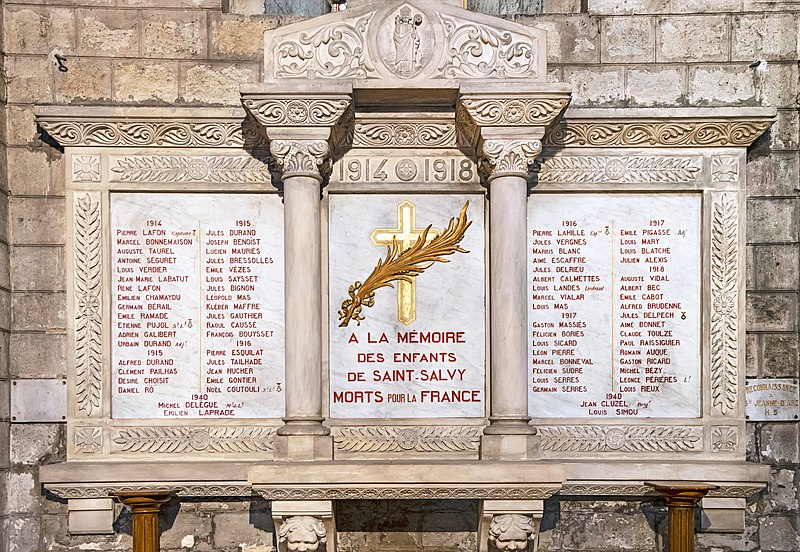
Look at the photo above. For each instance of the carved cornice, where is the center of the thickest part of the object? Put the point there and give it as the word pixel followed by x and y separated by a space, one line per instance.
pixel 643 133
pixel 301 157
pixel 183 440
pixel 517 111
pixel 153 133
pixel 634 489
pixel 78 490
pixel 509 157
pixel 297 112
pixel 633 439
pixel 431 439
pixel 532 492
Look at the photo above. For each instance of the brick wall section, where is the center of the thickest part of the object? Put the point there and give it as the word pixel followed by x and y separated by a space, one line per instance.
pixel 638 53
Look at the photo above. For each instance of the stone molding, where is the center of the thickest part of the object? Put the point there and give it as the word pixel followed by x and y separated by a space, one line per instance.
pixel 602 128
pixel 296 111
pixel 429 439
pixel 191 168
pixel 516 111
pixel 87 276
pixel 77 491
pixel 195 439
pixel 620 169
pixel 418 492
pixel 626 439
pixel 640 490
pixel 724 302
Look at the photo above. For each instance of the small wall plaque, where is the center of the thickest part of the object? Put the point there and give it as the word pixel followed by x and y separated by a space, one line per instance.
pixel 771 400
pixel 38 400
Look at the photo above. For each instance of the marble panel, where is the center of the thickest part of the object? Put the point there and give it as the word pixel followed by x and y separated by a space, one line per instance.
pixel 419 351
pixel 197 305
pixel 615 305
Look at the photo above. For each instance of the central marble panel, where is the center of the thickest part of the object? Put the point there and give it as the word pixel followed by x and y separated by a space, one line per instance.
pixel 407 306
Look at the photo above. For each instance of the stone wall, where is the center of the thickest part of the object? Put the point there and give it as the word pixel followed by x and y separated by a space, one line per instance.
pixel 637 53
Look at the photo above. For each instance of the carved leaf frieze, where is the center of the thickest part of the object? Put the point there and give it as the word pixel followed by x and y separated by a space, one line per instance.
pixel 337 50
pixel 88 323
pixel 152 133
pixel 619 438
pixel 724 299
pixel 656 134
pixel 174 168
pixel 473 50
pixel 175 440
pixel 619 169
pixel 405 135
pixel 297 111
pixel 522 111
pixel 377 439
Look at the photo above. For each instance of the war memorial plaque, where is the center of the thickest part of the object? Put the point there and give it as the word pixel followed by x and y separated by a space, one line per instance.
pixel 614 305
pixel 197 305
pixel 419 351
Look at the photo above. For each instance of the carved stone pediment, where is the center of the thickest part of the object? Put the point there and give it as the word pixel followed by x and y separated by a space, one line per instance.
pixel 407 42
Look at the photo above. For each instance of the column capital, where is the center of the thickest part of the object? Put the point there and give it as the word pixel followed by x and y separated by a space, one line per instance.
pixel 305 131
pixel 509 157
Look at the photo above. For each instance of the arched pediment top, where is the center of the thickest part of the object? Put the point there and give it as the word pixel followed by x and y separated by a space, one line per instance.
pixel 405 41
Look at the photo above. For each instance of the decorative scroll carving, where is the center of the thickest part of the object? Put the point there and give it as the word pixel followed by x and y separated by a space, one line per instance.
pixel 619 438
pixel 337 50
pixel 86 168
pixel 302 534
pixel 407 438
pixel 473 50
pixel 176 168
pixel 618 169
pixel 599 489
pixel 724 439
pixel 702 133
pixel 724 168
pixel 89 491
pixel 399 493
pixel 724 298
pixel 88 440
pixel 151 133
pixel 298 111
pixel 509 157
pixel 88 290
pixel 175 440
pixel 300 157
pixel 511 532
pixel 515 112
pixel 426 135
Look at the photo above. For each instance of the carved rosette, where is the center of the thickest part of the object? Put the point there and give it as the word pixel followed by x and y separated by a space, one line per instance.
pixel 619 438
pixel 724 301
pixel 181 440
pixel 88 294
pixel 509 157
pixel 301 157
pixel 515 111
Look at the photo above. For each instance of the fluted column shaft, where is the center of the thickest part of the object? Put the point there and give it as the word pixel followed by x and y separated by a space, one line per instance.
pixel 682 498
pixel 145 507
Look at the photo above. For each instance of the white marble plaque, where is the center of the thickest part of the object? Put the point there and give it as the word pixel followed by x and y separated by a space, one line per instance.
pixel 771 400
pixel 197 306
pixel 615 308
pixel 420 349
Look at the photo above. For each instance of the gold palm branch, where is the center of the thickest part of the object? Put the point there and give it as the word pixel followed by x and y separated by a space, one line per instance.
pixel 402 266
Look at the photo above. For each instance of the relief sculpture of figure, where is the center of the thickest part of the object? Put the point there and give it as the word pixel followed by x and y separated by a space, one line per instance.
pixel 511 533
pixel 406 41
pixel 302 534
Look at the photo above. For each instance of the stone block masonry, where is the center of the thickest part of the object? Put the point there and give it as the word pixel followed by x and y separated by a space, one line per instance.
pixel 615 53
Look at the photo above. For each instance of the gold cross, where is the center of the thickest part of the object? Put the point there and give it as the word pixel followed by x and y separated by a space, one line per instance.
pixel 406 234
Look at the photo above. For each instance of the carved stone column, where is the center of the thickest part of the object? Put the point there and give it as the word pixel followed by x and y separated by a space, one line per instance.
pixel 505 132
pixel 303 135
pixel 145 506
pixel 681 497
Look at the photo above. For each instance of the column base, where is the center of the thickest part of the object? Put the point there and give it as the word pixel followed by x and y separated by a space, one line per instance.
pixel 303 448
pixel 303 426
pixel 509 447
pixel 509 426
